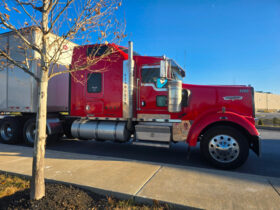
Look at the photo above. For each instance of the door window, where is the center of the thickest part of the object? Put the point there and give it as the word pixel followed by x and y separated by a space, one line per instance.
pixel 94 83
pixel 150 75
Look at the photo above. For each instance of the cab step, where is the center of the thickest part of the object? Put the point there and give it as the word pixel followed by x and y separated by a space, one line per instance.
pixel 151 143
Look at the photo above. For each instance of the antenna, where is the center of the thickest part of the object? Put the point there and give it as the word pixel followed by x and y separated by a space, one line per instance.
pixel 185 58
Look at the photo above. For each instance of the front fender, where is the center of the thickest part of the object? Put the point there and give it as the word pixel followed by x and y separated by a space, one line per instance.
pixel 208 119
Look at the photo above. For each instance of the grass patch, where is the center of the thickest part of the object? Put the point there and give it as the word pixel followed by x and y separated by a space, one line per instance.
pixel 10 184
pixel 130 204
pixel 276 121
pixel 273 122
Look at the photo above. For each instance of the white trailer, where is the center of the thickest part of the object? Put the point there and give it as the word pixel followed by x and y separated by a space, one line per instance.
pixel 19 90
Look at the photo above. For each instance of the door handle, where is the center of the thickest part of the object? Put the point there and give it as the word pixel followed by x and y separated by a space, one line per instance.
pixel 143 103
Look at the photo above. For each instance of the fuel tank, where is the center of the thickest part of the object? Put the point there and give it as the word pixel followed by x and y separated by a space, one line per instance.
pixel 103 130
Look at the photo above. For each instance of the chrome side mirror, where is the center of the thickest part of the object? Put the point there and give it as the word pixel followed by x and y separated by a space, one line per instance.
pixel 163 68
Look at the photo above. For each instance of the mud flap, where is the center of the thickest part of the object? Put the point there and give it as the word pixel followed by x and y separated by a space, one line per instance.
pixel 255 145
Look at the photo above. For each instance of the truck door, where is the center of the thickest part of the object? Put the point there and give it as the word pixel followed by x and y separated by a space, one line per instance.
pixel 94 92
pixel 151 98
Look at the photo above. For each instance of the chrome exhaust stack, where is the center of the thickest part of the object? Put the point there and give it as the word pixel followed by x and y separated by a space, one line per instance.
pixel 128 86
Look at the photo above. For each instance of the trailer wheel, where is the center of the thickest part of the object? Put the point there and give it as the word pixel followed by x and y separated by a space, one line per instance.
pixel 224 147
pixel 29 131
pixel 10 130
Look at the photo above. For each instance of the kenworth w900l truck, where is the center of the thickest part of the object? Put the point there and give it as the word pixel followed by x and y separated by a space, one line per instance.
pixel 126 95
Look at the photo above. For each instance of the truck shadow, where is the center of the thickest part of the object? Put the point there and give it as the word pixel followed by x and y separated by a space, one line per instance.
pixel 175 156
pixel 106 153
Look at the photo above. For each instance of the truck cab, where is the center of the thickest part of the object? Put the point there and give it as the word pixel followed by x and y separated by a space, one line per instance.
pixel 117 94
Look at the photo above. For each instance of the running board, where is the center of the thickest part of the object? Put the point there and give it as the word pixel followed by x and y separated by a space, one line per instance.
pixel 151 143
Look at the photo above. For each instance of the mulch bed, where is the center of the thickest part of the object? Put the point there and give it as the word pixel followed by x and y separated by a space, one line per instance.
pixel 60 196
pixel 57 197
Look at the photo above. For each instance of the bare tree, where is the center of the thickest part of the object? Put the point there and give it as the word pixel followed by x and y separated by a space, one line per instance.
pixel 57 22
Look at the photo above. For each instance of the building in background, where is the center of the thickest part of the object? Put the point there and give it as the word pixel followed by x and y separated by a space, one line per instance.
pixel 266 101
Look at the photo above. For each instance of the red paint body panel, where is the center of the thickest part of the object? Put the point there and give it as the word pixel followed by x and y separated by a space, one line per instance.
pixel 206 104
pixel 210 118
pixel 107 103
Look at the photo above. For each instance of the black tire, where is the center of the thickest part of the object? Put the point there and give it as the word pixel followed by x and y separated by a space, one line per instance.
pixel 224 147
pixel 10 130
pixel 29 131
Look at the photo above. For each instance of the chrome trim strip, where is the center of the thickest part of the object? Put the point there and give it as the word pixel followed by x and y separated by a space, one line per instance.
pixel 154 87
pixel 232 98
pixel 135 119
pixel 159 120
pixel 138 95
pixel 150 67
pixel 125 95
pixel 107 118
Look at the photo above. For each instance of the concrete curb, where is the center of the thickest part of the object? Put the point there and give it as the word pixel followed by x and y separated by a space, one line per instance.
pixel 117 195
pixel 268 128
pixel 123 196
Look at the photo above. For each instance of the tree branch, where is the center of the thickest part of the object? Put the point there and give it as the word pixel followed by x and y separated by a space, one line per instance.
pixel 60 13
pixel 26 70
pixel 26 12
pixel 40 9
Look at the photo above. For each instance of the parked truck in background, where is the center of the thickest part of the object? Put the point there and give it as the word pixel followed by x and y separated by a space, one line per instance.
pixel 126 95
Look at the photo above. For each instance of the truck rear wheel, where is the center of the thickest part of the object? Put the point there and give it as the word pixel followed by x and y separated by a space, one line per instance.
pixel 224 147
pixel 29 131
pixel 10 130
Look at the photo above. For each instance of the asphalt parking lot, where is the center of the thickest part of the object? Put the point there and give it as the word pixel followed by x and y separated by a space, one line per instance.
pixel 267 165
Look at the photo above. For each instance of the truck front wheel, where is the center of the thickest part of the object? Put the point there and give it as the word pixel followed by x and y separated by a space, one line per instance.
pixel 224 147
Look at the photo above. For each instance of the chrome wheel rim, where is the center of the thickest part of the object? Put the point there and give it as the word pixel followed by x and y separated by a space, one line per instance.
pixel 30 133
pixel 224 148
pixel 6 131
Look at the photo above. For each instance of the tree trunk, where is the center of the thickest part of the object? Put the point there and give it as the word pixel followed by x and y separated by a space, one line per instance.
pixel 37 188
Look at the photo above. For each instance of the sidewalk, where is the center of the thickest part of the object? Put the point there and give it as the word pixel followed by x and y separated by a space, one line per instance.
pixel 122 178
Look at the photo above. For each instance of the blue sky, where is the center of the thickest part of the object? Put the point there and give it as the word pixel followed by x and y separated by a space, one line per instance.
pixel 217 41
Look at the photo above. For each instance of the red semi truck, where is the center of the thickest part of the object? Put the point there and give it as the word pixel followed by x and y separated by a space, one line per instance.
pixel 126 95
